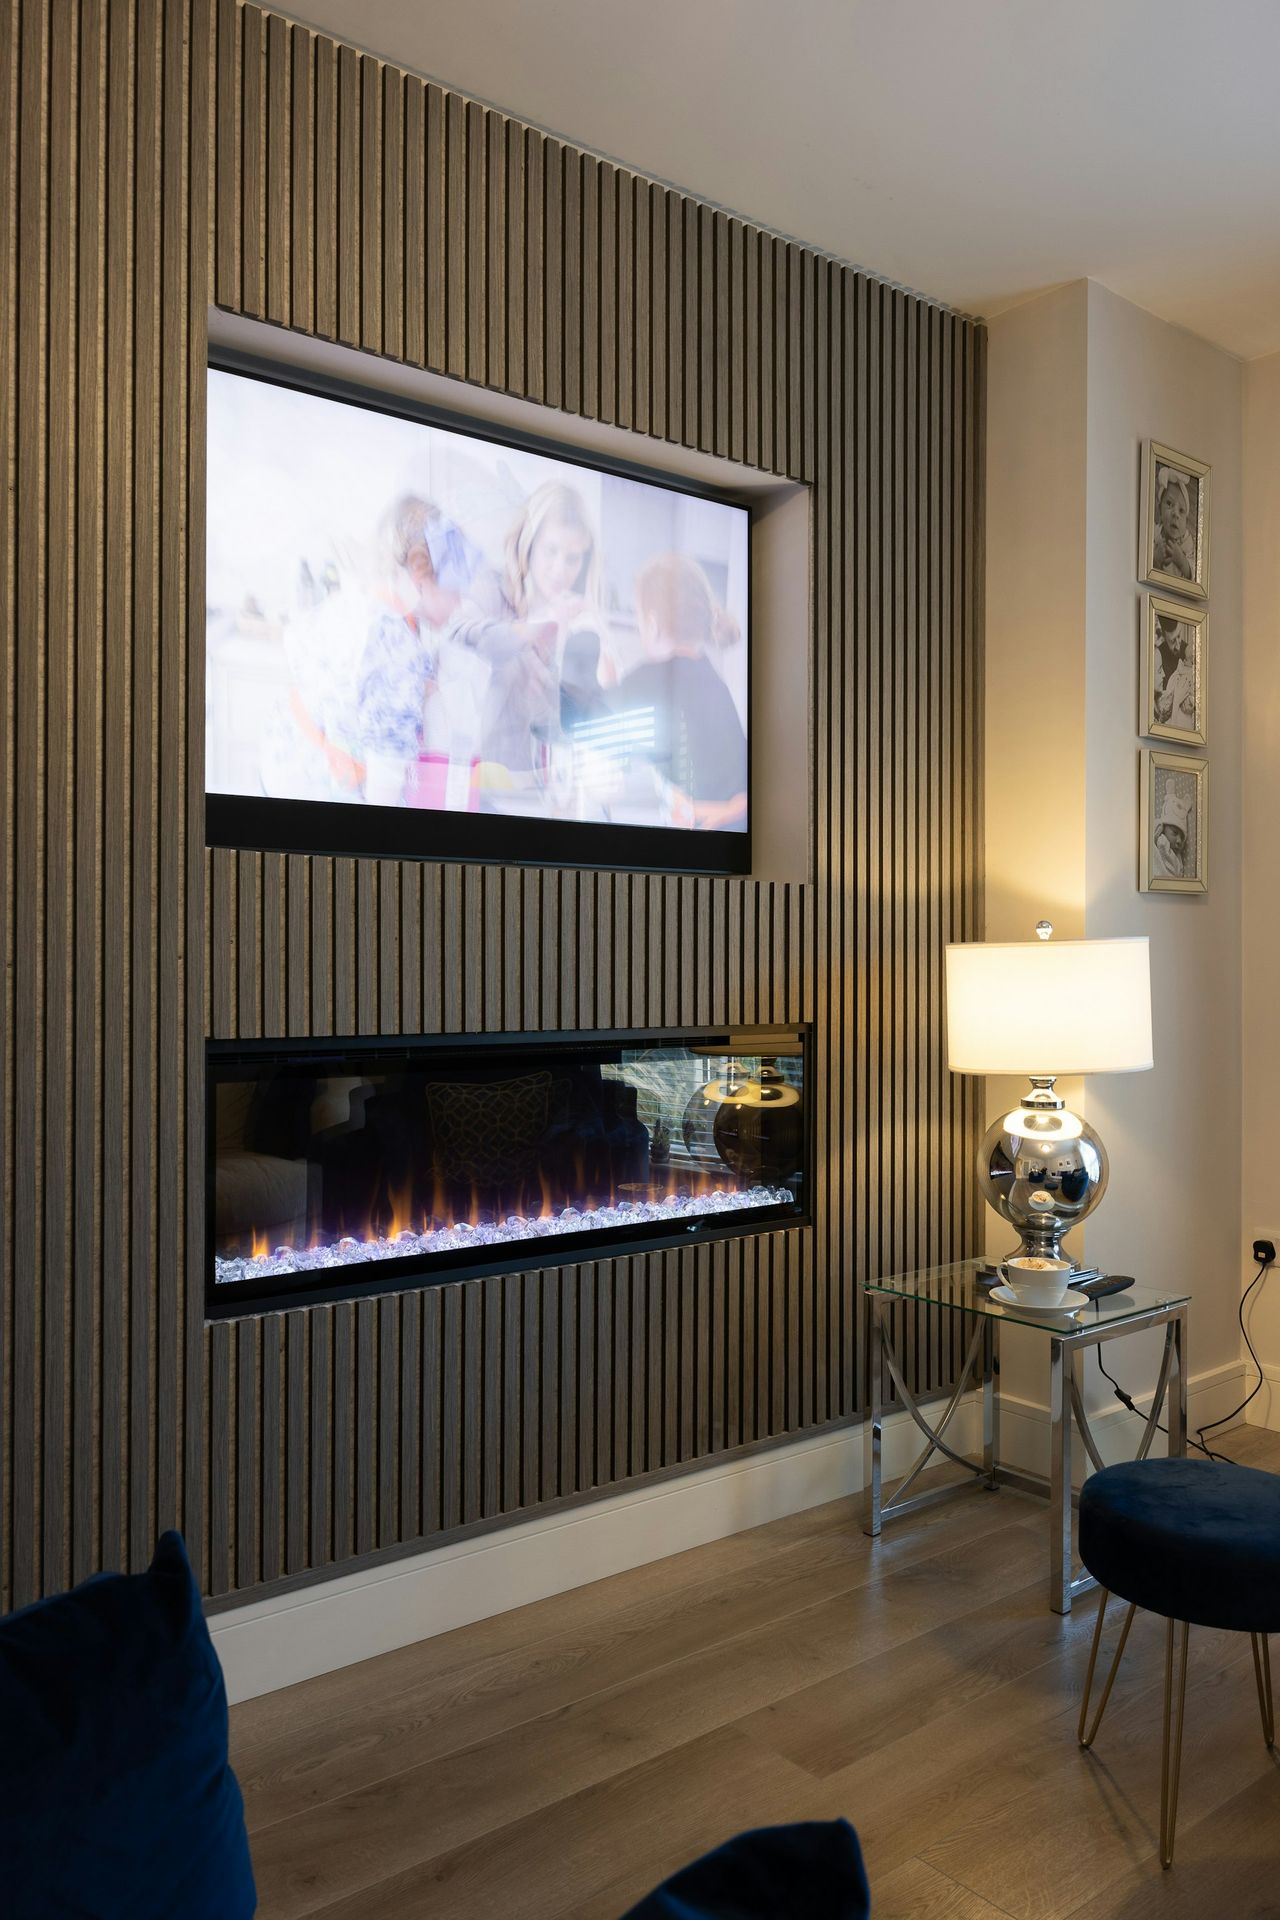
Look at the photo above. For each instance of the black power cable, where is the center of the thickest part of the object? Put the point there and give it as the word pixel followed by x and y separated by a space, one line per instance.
pixel 1211 1424
pixel 1126 1400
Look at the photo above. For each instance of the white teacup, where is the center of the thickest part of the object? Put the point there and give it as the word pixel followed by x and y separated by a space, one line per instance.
pixel 1037 1282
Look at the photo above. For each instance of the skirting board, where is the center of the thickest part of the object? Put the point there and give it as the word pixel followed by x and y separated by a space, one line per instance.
pixel 1024 1424
pixel 289 1637
pixel 1265 1410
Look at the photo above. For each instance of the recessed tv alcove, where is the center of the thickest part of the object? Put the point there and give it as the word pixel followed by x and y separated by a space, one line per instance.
pixel 343 1168
pixel 682 540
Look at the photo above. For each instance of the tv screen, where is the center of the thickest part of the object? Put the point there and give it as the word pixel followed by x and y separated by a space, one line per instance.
pixel 424 640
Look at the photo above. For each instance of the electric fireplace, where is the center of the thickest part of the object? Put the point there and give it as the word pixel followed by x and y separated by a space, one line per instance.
pixel 341 1168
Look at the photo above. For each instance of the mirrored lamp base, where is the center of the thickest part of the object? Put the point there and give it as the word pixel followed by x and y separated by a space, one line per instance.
pixel 1043 1168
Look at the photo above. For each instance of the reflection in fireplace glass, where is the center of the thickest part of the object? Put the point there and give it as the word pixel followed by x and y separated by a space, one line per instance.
pixel 446 1156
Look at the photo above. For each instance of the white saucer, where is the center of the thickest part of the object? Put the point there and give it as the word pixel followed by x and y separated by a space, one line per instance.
pixel 1070 1302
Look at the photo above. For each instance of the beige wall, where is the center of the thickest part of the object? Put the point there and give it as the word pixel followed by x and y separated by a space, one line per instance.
pixel 1173 1211
pixel 1261 777
pixel 1077 380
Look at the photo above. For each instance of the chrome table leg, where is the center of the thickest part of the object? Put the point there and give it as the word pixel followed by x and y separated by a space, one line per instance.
pixel 872 1434
pixel 1060 1359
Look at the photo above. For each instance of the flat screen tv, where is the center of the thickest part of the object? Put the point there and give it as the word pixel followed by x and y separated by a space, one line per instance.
pixel 422 639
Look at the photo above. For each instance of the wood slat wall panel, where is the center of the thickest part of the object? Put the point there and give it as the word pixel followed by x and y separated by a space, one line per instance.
pixel 166 152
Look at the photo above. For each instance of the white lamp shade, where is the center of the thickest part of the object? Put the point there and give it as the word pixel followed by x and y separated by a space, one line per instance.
pixel 1049 1007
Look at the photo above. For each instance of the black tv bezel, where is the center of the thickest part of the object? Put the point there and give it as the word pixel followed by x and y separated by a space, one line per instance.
pixel 270 825
pixel 236 1299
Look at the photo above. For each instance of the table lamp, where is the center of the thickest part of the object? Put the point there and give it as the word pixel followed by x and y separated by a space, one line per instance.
pixel 1046 1007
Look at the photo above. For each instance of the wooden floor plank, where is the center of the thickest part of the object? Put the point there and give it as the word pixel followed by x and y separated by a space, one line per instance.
pixel 1224 1864
pixel 336 1847
pixel 1090 1817
pixel 413 1711
pixel 556 1762
pixel 627 1833
pixel 915 1891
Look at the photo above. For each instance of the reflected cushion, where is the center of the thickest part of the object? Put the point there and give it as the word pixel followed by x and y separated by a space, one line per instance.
pixel 1194 1540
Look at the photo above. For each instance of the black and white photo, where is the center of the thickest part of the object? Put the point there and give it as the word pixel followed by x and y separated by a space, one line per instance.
pixel 1173 855
pixel 1174 638
pixel 1173 527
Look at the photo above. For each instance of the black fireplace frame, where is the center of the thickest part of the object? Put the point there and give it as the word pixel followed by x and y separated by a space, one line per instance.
pixel 235 1299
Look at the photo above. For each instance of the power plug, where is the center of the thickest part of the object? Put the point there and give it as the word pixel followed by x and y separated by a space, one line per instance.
pixel 1264 1252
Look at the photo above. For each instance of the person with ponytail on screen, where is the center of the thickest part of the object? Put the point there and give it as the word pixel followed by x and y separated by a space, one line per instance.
pixel 699 746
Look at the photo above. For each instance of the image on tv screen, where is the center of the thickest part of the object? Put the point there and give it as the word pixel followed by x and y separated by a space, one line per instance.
pixel 402 615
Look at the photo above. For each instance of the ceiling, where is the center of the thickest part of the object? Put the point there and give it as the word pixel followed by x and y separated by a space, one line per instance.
pixel 976 150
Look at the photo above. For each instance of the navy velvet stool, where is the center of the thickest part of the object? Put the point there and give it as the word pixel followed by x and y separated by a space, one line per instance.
pixel 1197 1541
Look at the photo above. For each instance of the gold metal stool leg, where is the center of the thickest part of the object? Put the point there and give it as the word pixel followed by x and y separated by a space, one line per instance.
pixel 1171 1755
pixel 1262 1674
pixel 1086 1739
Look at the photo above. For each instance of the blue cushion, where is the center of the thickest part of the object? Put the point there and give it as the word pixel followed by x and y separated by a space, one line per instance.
pixel 116 1800
pixel 1195 1540
pixel 773 1873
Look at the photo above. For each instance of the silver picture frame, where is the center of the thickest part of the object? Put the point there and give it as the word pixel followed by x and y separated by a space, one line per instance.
pixel 1173 834
pixel 1174 640
pixel 1173 521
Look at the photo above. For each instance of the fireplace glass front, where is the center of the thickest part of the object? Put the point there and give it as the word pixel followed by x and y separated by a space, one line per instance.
pixel 357 1166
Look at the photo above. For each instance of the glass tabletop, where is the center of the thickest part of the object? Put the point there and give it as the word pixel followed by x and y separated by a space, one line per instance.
pixel 956 1286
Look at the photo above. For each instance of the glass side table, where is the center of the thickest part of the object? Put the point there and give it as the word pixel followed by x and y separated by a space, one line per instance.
pixel 955 1289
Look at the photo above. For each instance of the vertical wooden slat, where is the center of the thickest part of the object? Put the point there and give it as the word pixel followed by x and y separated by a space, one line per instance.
pixel 57 1150
pixel 367 1434
pixel 409 937
pixel 642 315
pixel 494 240
pixel 116 871
pixel 390 1522
pixel 516 259
pixel 414 241
pixel 323 1544
pixel 533 267
pixel 390 1016
pixel 432 1410
pixel 572 315
pixel 349 256
pixel 227 154
pixel 278 235
pixel 325 237
pixel 568 1379
pixel 510 1483
pixel 455 233
pixel 393 211
pixel 589 298
pixel 411 1416
pixel 298 1392
pixel 301 132
pixel 342 1421
pixel 253 160
pixel 247 1482
pixel 531 1390
pixel 221 1458
pixel 451 1407
pixel 88 698
pixel 271 1449
pixel 548 1402
pixel 473 360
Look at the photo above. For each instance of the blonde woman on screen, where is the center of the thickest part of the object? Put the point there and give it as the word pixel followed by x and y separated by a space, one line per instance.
pixel 539 626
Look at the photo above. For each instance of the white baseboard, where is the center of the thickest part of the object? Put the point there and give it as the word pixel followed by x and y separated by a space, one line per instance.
pixel 1265 1410
pixel 293 1636
pixel 288 1637
pixel 1024 1424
